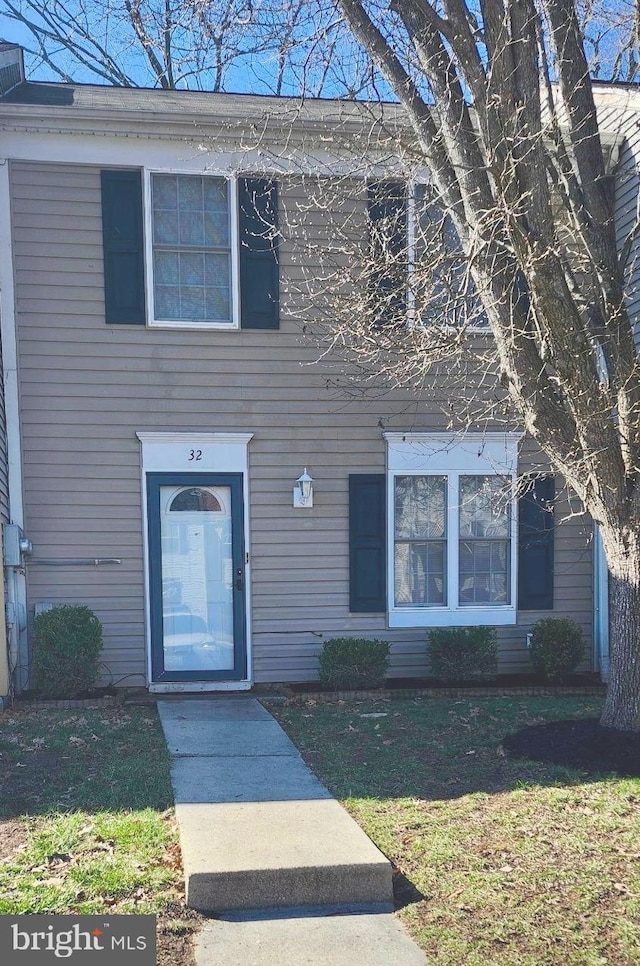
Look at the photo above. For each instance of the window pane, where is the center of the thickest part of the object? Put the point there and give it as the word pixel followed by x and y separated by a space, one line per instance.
pixel 166 268
pixel 216 229
pixel 191 268
pixel 191 231
pixel 192 303
pixel 420 506
pixel 484 506
pixel 195 499
pixel 165 192
pixel 167 302
pixel 217 270
pixel 218 306
pixel 484 572
pixel 165 228
pixel 215 194
pixel 420 573
pixel 190 193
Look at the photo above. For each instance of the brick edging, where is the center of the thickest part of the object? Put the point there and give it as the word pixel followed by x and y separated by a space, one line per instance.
pixel 331 697
pixel 106 701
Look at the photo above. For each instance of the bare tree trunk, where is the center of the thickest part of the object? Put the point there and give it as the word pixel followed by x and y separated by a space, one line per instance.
pixel 622 706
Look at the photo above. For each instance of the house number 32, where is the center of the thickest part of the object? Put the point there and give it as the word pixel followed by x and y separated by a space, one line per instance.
pixel 195 454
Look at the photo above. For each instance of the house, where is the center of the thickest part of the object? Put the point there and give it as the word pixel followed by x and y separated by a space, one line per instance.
pixel 177 460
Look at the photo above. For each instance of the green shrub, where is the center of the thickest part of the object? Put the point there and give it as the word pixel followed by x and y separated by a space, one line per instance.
pixel 557 647
pixel 353 662
pixel 462 653
pixel 66 647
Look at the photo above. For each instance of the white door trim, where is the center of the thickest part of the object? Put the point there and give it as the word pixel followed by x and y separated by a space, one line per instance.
pixel 196 453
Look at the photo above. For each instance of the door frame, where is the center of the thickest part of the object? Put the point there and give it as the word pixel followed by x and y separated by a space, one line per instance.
pixel 186 455
pixel 155 482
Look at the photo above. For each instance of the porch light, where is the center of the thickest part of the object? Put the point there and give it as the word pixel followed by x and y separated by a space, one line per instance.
pixel 303 491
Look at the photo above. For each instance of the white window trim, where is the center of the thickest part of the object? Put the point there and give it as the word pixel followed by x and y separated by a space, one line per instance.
pixel 152 322
pixel 412 241
pixel 444 454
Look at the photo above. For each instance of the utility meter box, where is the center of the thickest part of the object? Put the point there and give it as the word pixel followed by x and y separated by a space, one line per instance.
pixel 16 545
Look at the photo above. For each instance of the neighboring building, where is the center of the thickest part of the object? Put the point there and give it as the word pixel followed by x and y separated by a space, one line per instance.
pixel 11 75
pixel 169 403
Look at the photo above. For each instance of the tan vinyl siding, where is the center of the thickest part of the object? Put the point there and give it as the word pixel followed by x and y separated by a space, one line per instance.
pixel 87 387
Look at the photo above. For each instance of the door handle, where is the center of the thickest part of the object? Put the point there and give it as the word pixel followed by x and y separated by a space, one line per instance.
pixel 239 579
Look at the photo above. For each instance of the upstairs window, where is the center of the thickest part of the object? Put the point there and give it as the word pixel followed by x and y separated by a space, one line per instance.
pixel 442 290
pixel 208 256
pixel 191 239
pixel 418 271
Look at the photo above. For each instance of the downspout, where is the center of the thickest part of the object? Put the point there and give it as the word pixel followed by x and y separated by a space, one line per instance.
pixel 600 607
pixel 16 604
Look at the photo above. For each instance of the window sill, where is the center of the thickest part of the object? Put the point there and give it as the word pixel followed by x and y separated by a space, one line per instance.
pixel 219 326
pixel 446 329
pixel 451 617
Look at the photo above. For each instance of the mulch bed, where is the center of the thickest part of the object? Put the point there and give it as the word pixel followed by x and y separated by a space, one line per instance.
pixel 582 744
pixel 502 681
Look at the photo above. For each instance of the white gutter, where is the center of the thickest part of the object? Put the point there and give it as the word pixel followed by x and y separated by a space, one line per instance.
pixel 16 582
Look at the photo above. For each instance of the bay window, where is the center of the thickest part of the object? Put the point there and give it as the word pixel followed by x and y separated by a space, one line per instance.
pixel 451 529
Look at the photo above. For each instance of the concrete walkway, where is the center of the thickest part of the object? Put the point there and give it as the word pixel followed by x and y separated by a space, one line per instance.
pixel 266 848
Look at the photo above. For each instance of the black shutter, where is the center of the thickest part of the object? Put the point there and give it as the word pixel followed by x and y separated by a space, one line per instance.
pixel 367 543
pixel 387 202
pixel 259 272
pixel 123 247
pixel 535 545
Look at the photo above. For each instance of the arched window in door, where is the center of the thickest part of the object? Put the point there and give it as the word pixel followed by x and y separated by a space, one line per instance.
pixel 195 499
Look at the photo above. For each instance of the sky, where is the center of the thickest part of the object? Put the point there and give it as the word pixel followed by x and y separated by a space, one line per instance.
pixel 254 73
pixel 310 66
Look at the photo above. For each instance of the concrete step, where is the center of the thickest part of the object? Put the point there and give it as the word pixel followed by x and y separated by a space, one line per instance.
pixel 255 855
pixel 257 828
pixel 308 940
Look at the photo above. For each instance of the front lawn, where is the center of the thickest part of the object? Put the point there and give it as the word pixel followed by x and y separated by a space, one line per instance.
pixel 87 822
pixel 499 860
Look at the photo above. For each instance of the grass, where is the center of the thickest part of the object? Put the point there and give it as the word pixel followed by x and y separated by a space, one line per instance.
pixel 499 860
pixel 86 817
